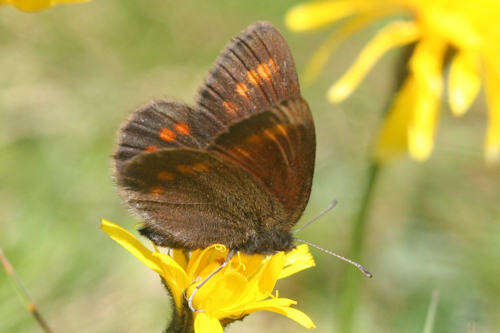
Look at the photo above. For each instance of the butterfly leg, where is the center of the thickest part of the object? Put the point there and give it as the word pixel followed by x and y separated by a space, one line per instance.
pixel 190 299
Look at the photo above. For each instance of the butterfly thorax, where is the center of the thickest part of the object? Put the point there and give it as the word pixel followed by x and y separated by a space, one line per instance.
pixel 267 242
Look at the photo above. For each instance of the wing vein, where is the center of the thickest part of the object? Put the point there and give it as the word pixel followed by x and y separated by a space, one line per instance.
pixel 248 69
pixel 261 61
pixel 209 86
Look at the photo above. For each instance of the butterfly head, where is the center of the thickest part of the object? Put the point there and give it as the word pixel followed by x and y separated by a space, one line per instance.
pixel 268 242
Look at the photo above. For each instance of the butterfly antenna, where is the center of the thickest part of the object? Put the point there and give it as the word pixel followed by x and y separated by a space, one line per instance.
pixel 23 292
pixel 326 210
pixel 355 264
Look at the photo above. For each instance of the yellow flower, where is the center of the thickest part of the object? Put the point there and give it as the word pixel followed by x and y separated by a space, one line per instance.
pixel 244 286
pixel 467 27
pixel 35 5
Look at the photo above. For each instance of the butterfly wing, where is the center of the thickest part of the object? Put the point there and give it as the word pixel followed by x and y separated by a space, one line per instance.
pixel 235 170
pixel 156 126
pixel 277 148
pixel 255 75
pixel 191 198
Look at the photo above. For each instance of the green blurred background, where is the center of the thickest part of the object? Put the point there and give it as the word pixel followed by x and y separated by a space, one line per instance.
pixel 70 75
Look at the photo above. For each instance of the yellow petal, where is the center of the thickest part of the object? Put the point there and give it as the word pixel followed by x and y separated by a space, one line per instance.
pixel 203 262
pixel 423 125
pixel 35 5
pixel 180 257
pixel 426 66
pixel 314 15
pixel 460 22
pixel 393 35
pixel 203 298
pixel 464 81
pixel 131 244
pixel 281 306
pixel 297 260
pixel 393 137
pixel 250 264
pixel 269 275
pixel 298 316
pixel 337 37
pixel 220 294
pixel 174 276
pixel 205 324
pixel 492 144
pixel 262 283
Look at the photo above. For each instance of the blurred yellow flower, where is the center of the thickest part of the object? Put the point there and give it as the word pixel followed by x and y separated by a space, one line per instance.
pixel 467 27
pixel 35 5
pixel 244 286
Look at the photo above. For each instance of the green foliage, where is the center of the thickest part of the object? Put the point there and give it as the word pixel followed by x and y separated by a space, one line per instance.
pixel 72 73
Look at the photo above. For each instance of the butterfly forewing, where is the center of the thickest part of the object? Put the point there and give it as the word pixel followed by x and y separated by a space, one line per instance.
pixel 160 125
pixel 254 72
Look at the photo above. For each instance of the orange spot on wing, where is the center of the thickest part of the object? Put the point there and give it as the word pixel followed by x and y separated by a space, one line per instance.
pixel 151 148
pixel 241 89
pixel 200 167
pixel 165 175
pixel 182 128
pixel 229 106
pixel 270 134
pixel 167 134
pixel 254 139
pixel 282 130
pixel 243 152
pixel 185 169
pixel 272 64
pixel 252 77
pixel 264 71
pixel 156 190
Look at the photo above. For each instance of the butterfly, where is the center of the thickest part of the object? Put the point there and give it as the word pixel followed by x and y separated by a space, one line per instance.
pixel 235 169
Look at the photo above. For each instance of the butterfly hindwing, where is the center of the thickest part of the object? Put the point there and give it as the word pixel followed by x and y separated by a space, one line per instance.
pixel 191 198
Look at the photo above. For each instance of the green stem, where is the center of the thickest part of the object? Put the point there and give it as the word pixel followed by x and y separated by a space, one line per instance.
pixel 23 292
pixel 431 312
pixel 182 320
pixel 181 323
pixel 350 296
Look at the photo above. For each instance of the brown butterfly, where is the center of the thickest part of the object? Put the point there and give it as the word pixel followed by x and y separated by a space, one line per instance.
pixel 237 168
